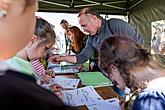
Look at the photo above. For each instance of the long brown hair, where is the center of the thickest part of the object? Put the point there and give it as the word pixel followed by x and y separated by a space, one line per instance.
pixel 78 38
pixel 124 53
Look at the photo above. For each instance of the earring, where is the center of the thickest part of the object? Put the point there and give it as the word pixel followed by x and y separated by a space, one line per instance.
pixel 3 13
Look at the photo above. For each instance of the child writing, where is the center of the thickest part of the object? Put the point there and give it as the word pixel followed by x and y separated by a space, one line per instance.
pixel 41 41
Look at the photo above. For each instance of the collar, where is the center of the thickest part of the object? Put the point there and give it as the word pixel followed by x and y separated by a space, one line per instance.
pixel 4 66
pixel 157 83
pixel 102 26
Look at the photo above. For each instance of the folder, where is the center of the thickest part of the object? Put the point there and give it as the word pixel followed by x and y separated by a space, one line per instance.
pixel 95 79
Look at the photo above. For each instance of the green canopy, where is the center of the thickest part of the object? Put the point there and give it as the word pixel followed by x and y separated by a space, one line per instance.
pixel 140 12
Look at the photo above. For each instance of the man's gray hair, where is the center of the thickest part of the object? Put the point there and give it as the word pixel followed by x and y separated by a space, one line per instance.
pixel 89 11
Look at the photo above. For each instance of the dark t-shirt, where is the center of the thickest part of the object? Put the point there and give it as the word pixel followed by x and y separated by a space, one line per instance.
pixel 19 91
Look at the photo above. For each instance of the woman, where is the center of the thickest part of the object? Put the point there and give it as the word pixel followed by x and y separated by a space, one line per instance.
pixel 78 41
pixel 20 91
pixel 128 64
pixel 77 38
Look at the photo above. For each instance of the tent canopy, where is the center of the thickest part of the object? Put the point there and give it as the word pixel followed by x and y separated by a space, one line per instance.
pixel 140 12
pixel 115 7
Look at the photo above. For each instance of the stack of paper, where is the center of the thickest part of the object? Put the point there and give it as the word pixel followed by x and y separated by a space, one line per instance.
pixel 95 79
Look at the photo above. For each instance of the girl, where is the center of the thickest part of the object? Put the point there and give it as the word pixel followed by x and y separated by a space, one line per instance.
pixel 40 43
pixel 128 64
pixel 42 40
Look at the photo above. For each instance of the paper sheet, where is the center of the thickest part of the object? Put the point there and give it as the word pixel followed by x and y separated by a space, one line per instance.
pixel 110 104
pixel 63 69
pixel 81 96
pixel 66 83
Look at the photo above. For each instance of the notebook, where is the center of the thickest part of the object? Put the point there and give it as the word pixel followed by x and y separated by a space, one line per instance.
pixel 95 79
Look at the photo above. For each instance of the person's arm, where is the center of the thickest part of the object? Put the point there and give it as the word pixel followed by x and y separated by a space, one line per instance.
pixel 85 54
pixel 120 27
pixel 58 58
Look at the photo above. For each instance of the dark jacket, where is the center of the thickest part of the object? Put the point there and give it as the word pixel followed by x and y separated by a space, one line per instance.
pixel 19 91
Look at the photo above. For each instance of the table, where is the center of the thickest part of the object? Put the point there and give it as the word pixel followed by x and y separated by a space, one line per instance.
pixel 105 92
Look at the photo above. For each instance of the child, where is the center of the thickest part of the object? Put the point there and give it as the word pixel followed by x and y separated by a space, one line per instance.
pixel 42 40
pixel 128 64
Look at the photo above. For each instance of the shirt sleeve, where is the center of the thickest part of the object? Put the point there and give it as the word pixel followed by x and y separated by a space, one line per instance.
pixel 120 27
pixel 86 53
pixel 38 67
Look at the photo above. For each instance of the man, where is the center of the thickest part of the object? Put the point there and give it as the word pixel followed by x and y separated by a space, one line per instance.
pixel 98 29
pixel 65 25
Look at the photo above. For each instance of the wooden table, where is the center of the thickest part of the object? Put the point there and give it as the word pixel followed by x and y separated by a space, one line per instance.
pixel 105 92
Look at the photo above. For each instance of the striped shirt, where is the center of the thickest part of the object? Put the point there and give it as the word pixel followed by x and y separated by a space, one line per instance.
pixel 38 67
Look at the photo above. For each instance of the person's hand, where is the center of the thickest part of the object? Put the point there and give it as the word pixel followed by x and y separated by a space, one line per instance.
pixel 115 76
pixel 50 72
pixel 46 78
pixel 79 67
pixel 60 95
pixel 56 88
pixel 56 59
